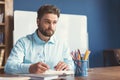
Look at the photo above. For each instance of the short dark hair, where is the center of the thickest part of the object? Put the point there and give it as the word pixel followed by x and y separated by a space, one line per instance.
pixel 47 8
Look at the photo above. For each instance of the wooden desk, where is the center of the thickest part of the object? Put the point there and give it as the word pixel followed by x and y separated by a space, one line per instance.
pixel 103 73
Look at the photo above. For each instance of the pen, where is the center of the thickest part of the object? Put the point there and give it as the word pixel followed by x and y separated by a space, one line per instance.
pixel 72 55
pixel 79 55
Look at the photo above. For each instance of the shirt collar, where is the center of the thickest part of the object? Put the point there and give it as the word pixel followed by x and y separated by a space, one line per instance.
pixel 39 41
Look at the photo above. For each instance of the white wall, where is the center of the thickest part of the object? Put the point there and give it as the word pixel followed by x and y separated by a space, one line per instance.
pixel 72 28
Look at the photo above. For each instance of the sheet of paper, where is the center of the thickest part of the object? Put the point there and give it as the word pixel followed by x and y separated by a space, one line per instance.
pixel 39 76
pixel 50 74
pixel 58 72
pixel 15 78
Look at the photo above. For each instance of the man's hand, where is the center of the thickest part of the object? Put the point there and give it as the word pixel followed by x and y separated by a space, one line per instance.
pixel 61 66
pixel 38 68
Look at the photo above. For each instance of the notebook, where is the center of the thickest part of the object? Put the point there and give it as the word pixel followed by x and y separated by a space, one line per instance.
pixel 39 76
pixel 48 75
pixel 53 72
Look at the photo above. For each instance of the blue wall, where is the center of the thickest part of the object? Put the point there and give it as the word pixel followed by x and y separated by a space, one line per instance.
pixel 103 21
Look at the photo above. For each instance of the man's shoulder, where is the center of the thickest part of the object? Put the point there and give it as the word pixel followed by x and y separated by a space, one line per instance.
pixel 26 38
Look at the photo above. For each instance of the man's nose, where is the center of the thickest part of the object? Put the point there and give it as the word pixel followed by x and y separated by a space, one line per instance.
pixel 51 25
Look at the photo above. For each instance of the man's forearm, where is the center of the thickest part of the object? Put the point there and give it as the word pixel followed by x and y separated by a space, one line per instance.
pixel 14 68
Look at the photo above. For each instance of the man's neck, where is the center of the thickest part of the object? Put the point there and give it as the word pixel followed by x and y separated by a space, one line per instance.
pixel 42 37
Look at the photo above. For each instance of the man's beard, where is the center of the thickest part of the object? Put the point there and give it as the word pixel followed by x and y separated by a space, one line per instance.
pixel 48 32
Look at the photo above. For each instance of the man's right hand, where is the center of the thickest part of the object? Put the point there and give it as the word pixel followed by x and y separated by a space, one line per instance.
pixel 38 68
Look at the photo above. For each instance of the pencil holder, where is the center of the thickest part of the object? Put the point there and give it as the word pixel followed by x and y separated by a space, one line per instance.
pixel 81 67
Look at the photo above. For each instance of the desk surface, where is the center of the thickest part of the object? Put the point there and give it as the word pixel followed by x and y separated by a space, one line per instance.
pixel 103 73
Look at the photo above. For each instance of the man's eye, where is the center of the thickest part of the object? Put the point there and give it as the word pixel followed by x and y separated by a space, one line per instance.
pixel 47 22
pixel 55 22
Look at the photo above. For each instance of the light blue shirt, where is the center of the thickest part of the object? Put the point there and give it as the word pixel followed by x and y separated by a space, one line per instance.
pixel 31 49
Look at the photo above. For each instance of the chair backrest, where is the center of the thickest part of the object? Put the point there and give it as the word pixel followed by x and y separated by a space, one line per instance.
pixel 117 55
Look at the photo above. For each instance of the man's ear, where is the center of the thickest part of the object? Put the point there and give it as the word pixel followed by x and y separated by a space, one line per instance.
pixel 38 20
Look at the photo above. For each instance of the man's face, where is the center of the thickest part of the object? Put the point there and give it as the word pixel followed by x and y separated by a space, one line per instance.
pixel 47 24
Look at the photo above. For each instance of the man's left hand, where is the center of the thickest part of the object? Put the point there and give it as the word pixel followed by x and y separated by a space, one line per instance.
pixel 61 66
